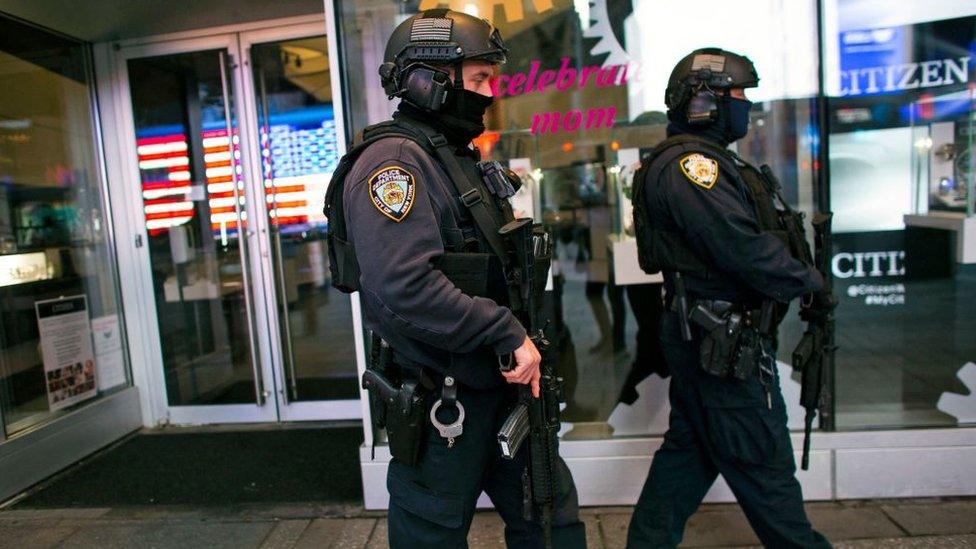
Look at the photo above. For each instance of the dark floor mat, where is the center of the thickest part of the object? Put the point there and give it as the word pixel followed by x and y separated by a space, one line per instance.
pixel 217 468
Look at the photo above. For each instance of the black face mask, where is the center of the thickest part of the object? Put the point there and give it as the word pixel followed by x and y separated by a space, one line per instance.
pixel 463 115
pixel 738 125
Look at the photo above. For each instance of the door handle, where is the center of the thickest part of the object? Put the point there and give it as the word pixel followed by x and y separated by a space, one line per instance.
pixel 260 394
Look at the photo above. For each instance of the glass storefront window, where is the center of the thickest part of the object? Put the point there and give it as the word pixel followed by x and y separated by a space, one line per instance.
pixel 578 101
pixel 902 85
pixel 61 331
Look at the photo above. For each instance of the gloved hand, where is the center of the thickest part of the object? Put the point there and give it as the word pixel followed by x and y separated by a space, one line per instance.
pixel 815 306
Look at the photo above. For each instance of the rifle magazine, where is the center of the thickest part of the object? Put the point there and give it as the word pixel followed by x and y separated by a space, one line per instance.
pixel 513 431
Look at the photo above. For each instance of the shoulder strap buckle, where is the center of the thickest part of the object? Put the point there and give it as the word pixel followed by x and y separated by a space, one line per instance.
pixel 437 140
pixel 471 198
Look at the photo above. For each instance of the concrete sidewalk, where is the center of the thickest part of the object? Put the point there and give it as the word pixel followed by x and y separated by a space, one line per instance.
pixel 880 523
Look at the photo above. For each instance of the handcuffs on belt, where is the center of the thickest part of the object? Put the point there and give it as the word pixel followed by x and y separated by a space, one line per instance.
pixel 449 398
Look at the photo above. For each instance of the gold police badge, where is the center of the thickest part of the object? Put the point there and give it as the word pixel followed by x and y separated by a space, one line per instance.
pixel 392 190
pixel 700 170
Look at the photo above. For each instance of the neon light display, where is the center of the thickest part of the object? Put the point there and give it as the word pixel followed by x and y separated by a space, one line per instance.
pixel 298 151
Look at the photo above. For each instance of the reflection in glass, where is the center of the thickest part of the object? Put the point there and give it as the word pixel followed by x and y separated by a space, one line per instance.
pixel 193 201
pixel 54 238
pixel 299 154
pixel 594 347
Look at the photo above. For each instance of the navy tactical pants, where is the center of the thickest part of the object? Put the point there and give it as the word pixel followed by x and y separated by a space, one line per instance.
pixel 431 505
pixel 720 425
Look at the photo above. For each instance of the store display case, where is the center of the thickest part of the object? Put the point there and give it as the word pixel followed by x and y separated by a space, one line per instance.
pixel 943 164
pixel 944 177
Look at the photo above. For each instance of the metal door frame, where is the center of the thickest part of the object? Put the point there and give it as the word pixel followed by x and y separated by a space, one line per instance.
pixel 111 60
pixel 264 410
pixel 287 410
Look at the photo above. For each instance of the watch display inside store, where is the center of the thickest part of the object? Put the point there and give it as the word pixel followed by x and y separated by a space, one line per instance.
pixel 944 167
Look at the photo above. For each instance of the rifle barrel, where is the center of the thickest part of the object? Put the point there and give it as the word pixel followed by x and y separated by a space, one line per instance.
pixel 807 428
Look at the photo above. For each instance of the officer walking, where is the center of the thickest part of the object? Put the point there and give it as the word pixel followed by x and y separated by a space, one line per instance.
pixel 713 224
pixel 421 228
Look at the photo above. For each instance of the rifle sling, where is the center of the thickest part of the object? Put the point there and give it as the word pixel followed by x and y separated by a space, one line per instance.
pixel 472 197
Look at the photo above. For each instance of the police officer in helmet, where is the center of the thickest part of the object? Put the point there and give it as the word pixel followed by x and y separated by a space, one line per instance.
pixel 714 225
pixel 415 205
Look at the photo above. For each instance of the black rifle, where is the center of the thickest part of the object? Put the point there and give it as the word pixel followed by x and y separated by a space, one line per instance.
pixel 814 354
pixel 534 418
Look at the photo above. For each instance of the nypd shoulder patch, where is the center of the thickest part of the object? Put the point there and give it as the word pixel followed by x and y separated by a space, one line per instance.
pixel 700 169
pixel 392 190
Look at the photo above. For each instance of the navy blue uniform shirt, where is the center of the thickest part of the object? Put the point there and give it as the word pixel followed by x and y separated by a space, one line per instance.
pixel 715 215
pixel 402 211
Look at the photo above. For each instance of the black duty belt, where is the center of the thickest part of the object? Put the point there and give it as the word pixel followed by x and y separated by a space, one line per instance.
pixel 719 306
pixel 421 375
pixel 751 312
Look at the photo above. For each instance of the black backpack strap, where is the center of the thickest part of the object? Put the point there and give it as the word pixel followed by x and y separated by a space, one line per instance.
pixel 771 181
pixel 471 196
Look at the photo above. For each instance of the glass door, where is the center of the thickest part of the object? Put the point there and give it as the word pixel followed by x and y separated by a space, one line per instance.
pixel 236 140
pixel 297 149
pixel 197 210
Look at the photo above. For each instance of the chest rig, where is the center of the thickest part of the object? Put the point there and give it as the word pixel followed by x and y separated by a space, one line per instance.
pixel 476 263
pixel 664 249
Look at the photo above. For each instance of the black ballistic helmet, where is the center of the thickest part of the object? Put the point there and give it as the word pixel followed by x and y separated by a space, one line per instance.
pixel 707 70
pixel 422 46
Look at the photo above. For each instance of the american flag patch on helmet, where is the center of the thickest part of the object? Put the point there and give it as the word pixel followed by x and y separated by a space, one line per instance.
pixel 715 63
pixel 431 30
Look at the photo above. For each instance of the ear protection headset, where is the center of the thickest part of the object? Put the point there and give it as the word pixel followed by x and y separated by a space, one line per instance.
pixel 419 83
pixel 413 76
pixel 699 99
pixel 702 107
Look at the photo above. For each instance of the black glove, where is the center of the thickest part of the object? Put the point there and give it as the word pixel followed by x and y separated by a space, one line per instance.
pixel 816 306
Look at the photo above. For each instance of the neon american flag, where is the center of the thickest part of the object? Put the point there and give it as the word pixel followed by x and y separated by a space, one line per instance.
pixel 164 164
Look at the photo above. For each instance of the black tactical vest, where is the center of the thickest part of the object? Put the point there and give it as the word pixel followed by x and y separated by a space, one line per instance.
pixel 476 266
pixel 664 250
